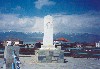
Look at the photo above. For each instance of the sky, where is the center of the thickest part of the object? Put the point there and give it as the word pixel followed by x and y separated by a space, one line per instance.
pixel 70 16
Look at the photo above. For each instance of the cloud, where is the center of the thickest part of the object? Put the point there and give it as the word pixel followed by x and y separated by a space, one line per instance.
pixel 75 23
pixel 11 22
pixel 40 3
pixel 18 8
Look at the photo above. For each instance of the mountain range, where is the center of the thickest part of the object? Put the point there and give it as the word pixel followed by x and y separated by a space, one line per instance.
pixel 36 36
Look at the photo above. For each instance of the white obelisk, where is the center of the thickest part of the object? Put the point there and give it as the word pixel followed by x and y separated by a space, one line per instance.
pixel 48 33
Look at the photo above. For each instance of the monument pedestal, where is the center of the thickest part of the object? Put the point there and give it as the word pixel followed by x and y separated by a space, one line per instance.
pixel 44 47
pixel 48 53
pixel 50 56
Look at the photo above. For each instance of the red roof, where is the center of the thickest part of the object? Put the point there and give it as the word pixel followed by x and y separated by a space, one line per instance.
pixel 62 39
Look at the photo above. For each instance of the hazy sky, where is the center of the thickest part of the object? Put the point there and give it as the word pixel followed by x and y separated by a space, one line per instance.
pixel 77 16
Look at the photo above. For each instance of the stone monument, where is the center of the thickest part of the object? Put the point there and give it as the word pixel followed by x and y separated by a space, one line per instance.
pixel 48 33
pixel 48 53
pixel 8 56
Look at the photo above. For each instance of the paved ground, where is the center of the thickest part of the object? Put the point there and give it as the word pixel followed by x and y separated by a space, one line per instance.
pixel 1 63
pixel 31 63
pixel 73 63
pixel 83 63
pixel 44 66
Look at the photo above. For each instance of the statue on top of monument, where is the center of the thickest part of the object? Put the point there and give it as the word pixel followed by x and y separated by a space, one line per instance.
pixel 49 25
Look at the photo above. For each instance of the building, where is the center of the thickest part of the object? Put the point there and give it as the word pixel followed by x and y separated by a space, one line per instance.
pixel 12 42
pixel 18 42
pixel 60 41
pixel 1 44
pixel 78 45
pixel 98 44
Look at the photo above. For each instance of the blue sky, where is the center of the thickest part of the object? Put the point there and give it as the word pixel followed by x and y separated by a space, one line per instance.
pixel 32 8
pixel 78 16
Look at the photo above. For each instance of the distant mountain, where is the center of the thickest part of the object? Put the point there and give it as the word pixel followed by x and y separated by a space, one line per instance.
pixel 79 37
pixel 21 36
pixel 73 37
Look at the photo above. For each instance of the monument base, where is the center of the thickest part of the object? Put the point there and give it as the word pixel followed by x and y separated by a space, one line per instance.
pixel 47 47
pixel 50 56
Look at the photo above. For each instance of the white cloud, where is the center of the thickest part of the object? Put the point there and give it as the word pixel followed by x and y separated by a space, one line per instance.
pixel 40 3
pixel 62 23
pixel 77 23
pixel 38 27
pixel 24 24
pixel 18 8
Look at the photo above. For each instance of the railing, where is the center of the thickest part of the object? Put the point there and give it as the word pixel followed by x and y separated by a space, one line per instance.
pixel 16 62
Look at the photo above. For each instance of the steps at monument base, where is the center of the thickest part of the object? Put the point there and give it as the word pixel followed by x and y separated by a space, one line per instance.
pixel 52 47
pixel 50 56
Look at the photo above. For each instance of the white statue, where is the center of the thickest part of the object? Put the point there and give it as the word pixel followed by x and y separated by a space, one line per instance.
pixel 48 32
